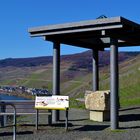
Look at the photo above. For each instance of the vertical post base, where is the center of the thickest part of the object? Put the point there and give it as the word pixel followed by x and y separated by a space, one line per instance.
pixel 37 119
pixel 66 121
pixel 55 116
pixel 50 117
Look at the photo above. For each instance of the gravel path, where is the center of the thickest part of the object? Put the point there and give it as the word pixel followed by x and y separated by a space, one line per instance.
pixel 80 128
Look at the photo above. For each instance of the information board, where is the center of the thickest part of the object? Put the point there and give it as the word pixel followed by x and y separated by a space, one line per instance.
pixel 52 102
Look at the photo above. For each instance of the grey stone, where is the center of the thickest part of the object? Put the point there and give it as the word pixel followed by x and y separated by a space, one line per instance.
pixel 99 100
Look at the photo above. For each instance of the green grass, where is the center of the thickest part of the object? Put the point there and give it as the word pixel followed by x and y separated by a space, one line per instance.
pixel 84 77
pixel 38 84
pixel 130 102
pixel 69 86
pixel 9 82
pixel 45 75
pixel 76 104
pixel 118 131
pixel 129 82
pixel 130 85
pixel 22 81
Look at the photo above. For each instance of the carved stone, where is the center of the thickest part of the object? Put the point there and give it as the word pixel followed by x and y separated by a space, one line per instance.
pixel 99 100
pixel 98 103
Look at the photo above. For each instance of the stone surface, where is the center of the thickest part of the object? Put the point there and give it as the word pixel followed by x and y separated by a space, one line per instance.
pixel 99 100
pixel 99 116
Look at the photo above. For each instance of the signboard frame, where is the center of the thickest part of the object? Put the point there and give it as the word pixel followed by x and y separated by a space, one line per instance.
pixel 54 102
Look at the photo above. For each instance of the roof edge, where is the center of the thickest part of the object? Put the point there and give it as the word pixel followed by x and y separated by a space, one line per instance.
pixel 76 24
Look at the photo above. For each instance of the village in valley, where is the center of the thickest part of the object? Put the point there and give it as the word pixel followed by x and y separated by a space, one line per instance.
pixel 23 90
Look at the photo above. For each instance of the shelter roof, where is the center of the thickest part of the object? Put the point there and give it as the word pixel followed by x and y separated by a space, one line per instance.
pixel 92 33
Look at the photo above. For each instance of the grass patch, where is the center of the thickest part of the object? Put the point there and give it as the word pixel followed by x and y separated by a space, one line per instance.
pixel 8 82
pixel 45 75
pixel 69 86
pixel 118 131
pixel 129 102
pixel 38 84
pixel 76 104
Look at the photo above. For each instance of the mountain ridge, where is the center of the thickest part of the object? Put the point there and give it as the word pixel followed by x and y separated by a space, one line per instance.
pixel 82 60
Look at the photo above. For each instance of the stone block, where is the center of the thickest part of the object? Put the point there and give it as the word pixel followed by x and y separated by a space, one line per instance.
pixel 99 116
pixel 99 100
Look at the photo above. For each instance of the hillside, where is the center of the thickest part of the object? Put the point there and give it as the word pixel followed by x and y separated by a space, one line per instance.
pixel 75 74
pixel 80 60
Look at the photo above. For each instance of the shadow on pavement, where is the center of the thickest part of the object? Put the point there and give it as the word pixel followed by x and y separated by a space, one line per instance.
pixel 75 120
pixel 129 117
pixel 92 128
pixel 61 125
pixel 58 124
pixel 18 133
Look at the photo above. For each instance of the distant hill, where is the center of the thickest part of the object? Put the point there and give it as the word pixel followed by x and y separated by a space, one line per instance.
pixel 25 62
pixel 80 60
pixel 76 75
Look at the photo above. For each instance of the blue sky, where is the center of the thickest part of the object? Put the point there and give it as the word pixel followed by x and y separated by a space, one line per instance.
pixel 19 15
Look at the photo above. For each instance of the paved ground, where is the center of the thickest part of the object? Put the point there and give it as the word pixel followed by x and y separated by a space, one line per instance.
pixel 80 128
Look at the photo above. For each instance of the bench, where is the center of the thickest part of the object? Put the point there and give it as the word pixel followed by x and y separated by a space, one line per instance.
pixel 24 107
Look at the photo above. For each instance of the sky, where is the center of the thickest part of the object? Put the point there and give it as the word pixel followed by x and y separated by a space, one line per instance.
pixel 17 16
